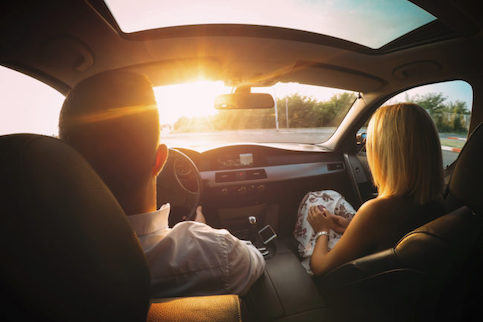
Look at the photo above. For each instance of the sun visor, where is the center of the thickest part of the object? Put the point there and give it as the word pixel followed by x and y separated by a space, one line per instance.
pixel 180 70
pixel 66 53
pixel 332 76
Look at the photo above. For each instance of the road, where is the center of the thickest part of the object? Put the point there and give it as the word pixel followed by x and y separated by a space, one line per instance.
pixel 449 157
pixel 259 135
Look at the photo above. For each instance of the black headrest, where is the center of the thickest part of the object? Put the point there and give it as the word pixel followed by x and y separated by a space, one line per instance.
pixel 68 252
pixel 466 183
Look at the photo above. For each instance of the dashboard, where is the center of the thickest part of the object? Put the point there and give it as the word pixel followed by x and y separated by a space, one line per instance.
pixel 268 182
pixel 239 170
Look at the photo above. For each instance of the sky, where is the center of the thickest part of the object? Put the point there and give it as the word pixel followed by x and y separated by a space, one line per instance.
pixel 452 90
pixel 372 23
pixel 28 105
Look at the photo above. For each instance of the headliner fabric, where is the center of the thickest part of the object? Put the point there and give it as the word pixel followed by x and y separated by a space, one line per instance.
pixel 68 252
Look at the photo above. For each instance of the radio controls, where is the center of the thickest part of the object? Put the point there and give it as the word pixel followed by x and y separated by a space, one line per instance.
pixel 241 189
pixel 224 191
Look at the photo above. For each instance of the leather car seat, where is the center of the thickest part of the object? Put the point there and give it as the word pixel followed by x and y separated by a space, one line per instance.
pixel 68 252
pixel 465 186
pixel 433 273
pixel 403 283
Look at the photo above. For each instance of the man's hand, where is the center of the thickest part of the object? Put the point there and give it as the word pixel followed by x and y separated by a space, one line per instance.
pixel 199 215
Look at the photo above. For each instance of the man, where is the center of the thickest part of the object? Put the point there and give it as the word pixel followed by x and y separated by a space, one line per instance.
pixel 112 120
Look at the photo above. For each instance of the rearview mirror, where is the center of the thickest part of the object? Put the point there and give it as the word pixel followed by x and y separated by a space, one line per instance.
pixel 244 99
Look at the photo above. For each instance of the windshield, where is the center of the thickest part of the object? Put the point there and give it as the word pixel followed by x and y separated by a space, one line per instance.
pixel 302 114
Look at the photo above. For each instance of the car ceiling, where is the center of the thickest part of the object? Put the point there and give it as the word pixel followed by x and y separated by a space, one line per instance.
pixel 63 42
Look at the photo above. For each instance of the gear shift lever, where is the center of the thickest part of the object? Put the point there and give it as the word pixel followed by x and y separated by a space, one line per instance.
pixel 252 220
pixel 254 238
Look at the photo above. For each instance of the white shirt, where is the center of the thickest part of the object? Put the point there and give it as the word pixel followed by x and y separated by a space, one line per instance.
pixel 194 259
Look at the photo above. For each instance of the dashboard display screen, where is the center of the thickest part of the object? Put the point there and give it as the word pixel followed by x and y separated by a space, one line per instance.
pixel 246 159
pixel 231 161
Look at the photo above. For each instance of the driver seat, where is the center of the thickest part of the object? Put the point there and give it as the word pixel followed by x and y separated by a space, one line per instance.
pixel 68 252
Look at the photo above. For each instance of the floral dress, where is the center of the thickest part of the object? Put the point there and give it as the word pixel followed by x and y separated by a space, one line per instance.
pixel 305 235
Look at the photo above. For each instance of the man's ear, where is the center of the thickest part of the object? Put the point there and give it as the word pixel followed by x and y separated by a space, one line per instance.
pixel 161 157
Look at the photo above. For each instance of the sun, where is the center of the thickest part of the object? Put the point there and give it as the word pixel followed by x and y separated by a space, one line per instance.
pixel 196 99
pixel 193 99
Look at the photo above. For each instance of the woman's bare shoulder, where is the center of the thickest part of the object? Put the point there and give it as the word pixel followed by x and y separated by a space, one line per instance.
pixel 376 204
pixel 380 206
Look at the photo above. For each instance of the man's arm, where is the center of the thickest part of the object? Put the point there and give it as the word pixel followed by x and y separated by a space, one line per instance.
pixel 245 265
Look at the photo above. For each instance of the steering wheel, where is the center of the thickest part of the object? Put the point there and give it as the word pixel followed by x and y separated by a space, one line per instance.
pixel 179 183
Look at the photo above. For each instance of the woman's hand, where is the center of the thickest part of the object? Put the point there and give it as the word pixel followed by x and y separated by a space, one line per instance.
pixel 322 220
pixel 317 217
pixel 338 223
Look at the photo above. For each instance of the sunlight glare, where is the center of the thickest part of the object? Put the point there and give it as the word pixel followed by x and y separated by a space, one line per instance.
pixel 197 98
pixel 190 99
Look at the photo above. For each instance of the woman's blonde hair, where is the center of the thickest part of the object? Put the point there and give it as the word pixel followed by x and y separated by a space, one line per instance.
pixel 404 153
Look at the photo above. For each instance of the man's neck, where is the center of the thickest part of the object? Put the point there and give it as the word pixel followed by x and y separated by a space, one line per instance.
pixel 142 201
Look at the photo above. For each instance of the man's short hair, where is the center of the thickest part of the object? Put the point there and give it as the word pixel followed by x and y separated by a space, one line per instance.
pixel 112 119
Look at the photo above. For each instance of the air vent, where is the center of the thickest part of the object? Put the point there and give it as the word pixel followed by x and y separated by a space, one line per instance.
pixel 335 166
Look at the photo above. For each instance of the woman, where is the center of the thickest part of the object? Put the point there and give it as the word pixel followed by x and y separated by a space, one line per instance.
pixel 404 155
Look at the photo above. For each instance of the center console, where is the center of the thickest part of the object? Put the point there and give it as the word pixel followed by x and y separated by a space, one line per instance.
pixel 285 291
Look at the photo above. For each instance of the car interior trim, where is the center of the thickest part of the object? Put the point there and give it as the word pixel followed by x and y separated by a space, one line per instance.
pixel 353 177
pixel 276 173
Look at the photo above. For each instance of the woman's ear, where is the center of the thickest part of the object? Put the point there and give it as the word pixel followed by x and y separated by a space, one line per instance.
pixel 161 157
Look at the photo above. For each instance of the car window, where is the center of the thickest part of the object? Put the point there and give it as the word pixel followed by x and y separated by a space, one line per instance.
pixel 28 105
pixel 371 23
pixel 302 114
pixel 449 104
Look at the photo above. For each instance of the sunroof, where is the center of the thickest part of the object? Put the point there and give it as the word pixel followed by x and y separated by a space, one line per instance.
pixel 372 23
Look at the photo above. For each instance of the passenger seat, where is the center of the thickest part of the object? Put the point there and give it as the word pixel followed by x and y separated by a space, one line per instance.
pixel 434 273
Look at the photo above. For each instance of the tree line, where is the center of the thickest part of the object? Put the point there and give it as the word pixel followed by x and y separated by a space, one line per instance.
pixel 448 116
pixel 297 111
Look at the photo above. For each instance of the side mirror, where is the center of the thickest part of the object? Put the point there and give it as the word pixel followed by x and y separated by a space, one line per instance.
pixel 243 98
pixel 361 138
